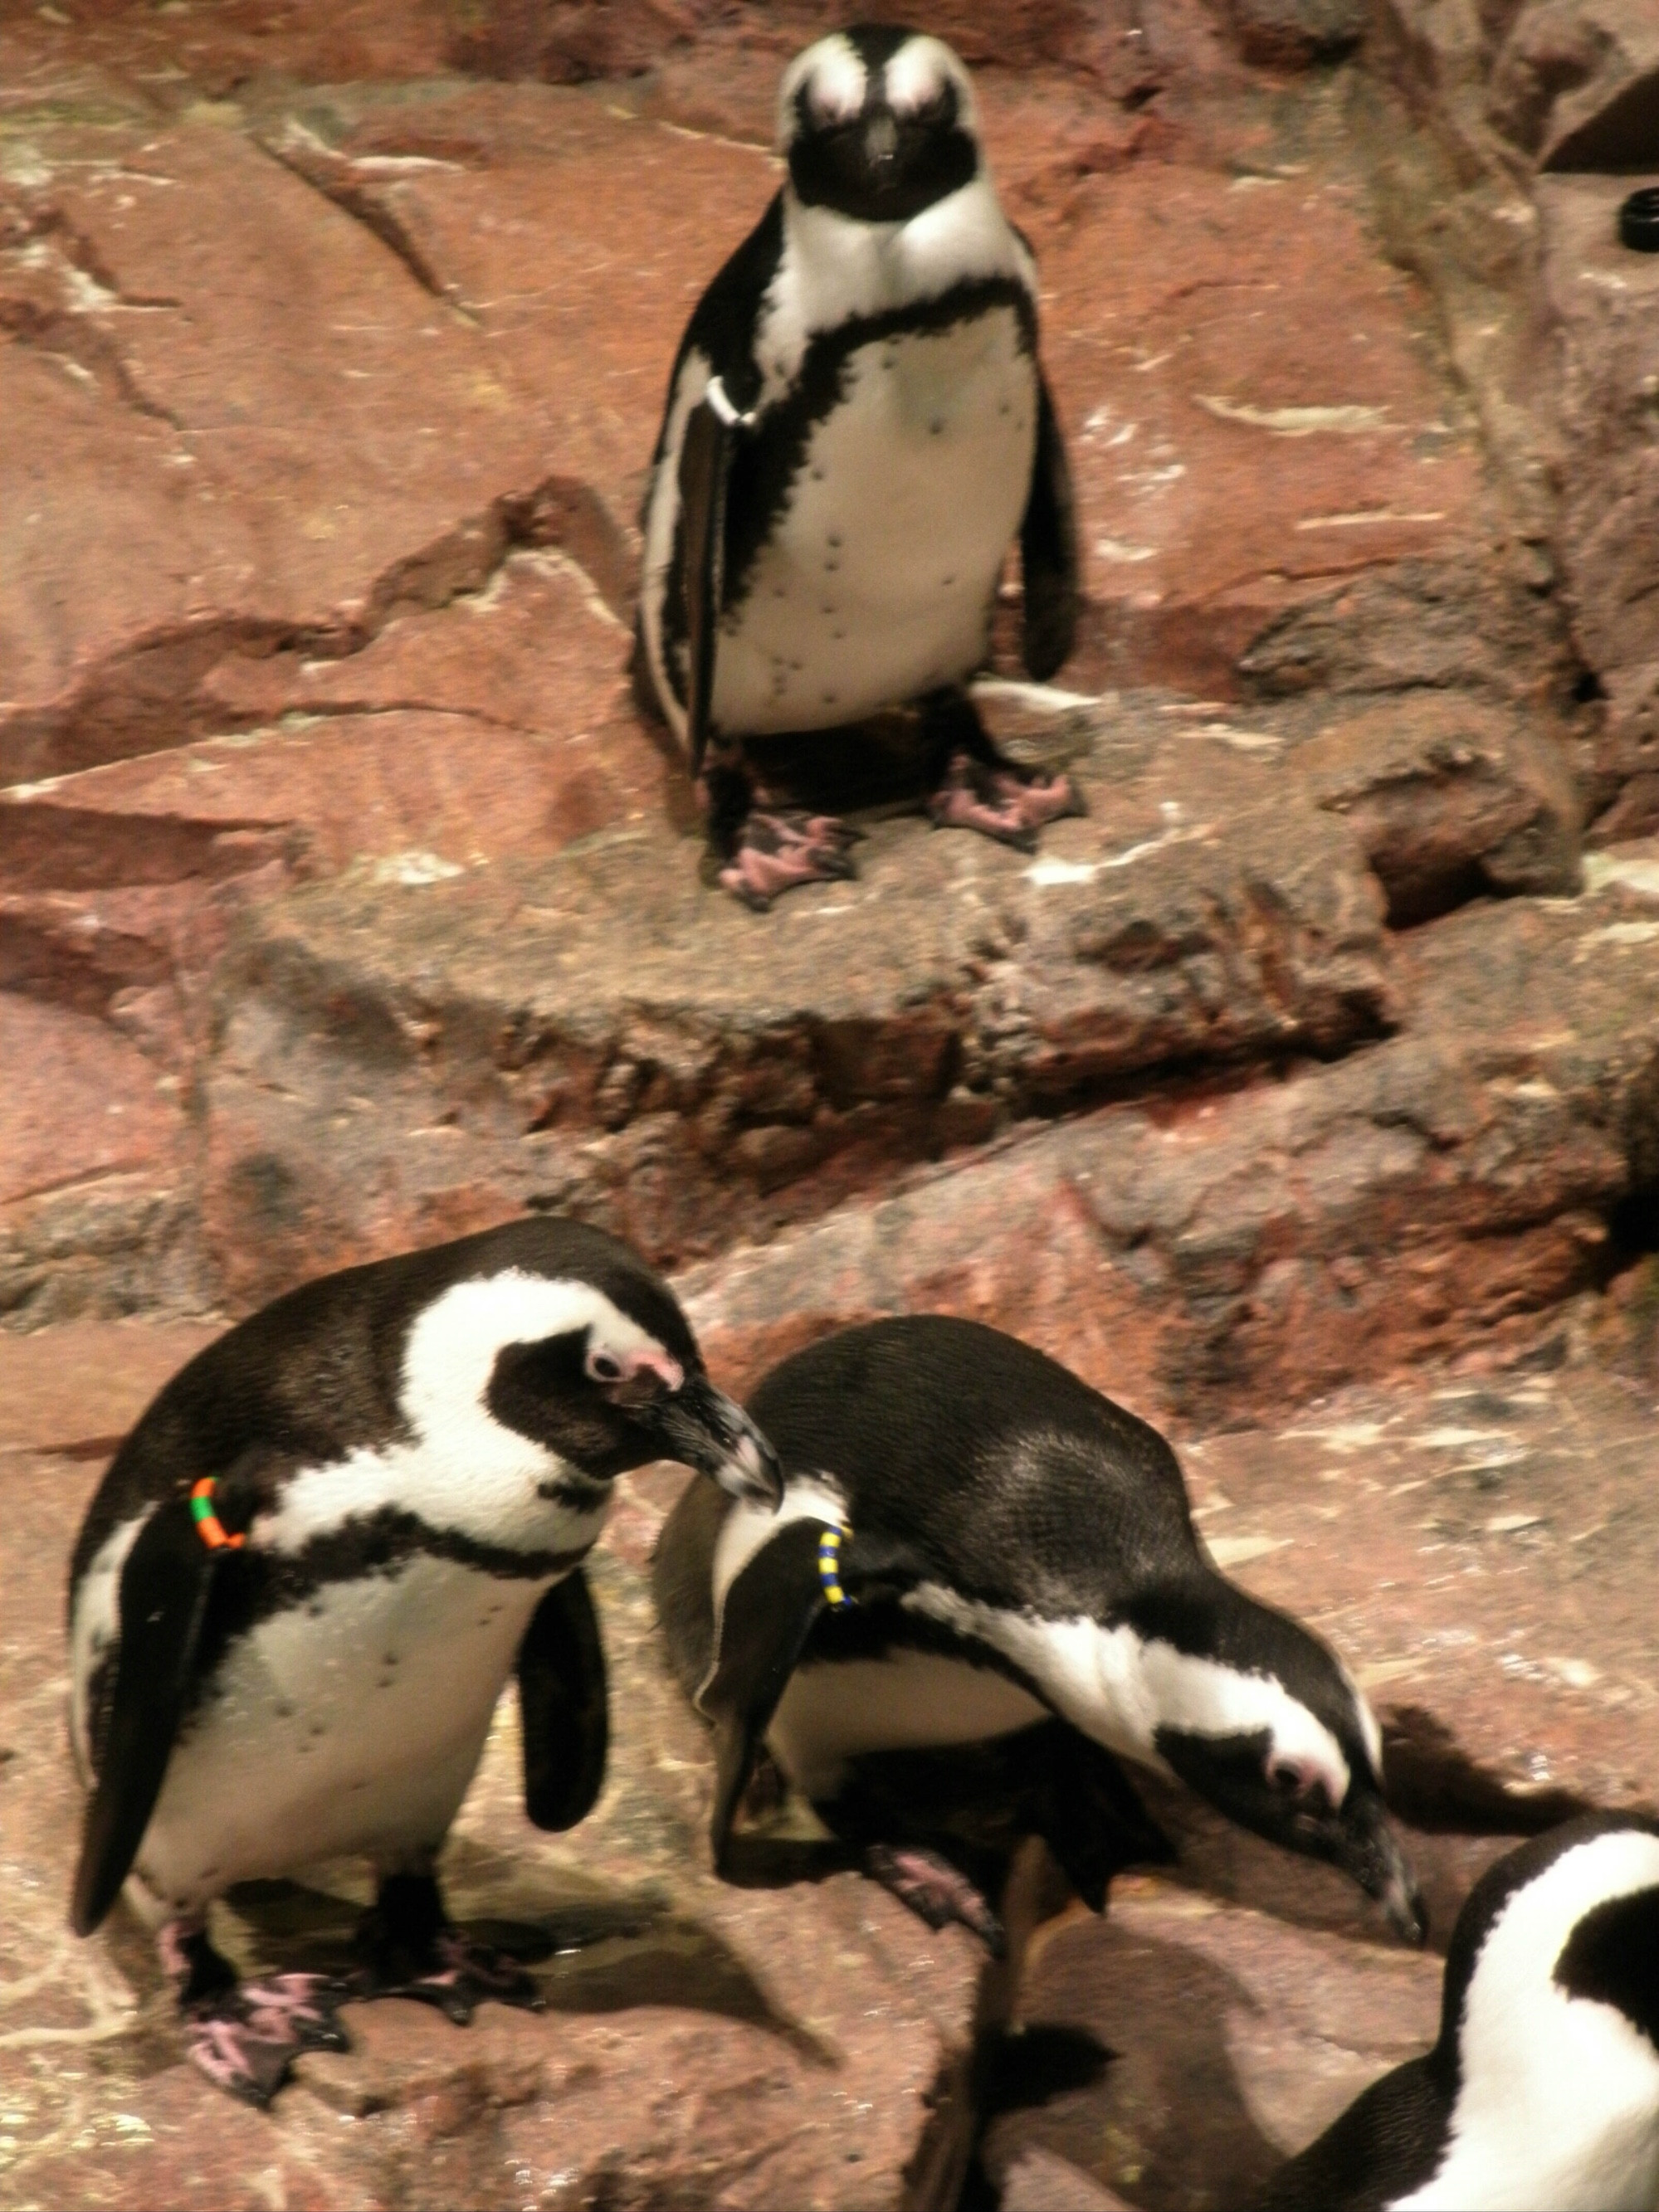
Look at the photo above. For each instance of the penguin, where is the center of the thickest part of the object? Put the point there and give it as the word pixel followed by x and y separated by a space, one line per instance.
pixel 974 1548
pixel 308 1571
pixel 857 426
pixel 1542 2092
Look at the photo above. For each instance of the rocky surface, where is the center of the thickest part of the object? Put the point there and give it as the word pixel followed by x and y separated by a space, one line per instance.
pixel 345 900
pixel 1227 1248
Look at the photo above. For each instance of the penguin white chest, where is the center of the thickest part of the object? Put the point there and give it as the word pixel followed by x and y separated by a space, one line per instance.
pixel 349 1724
pixel 876 582
pixel 906 1700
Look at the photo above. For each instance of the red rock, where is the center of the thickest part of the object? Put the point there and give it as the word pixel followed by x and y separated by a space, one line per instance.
pixel 1290 34
pixel 1249 412
pixel 1446 793
pixel 77 1103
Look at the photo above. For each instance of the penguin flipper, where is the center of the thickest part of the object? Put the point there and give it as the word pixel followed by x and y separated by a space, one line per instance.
pixel 166 1583
pixel 1047 550
pixel 712 431
pixel 769 1612
pixel 563 1706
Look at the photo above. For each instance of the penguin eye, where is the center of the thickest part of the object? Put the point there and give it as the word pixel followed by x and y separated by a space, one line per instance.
pixel 603 1367
pixel 1290 1778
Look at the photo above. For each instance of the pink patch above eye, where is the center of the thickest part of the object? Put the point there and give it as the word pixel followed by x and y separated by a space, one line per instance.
pixel 666 1369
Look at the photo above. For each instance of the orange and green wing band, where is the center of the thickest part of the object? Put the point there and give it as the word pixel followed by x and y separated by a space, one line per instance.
pixel 208 1527
pixel 829 1566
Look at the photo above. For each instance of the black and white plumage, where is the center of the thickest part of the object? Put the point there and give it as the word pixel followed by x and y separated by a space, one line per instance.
pixel 1542 2092
pixel 857 427
pixel 418 1455
pixel 1021 1557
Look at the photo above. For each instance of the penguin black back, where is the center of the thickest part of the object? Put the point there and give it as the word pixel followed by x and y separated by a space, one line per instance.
pixel 979 1449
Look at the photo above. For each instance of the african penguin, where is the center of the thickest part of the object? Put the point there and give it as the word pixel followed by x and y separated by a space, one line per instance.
pixel 1542 2092
pixel 976 1548
pixel 856 429
pixel 309 1570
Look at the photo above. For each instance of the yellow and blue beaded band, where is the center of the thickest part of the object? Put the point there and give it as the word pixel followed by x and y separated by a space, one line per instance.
pixel 208 1527
pixel 829 1566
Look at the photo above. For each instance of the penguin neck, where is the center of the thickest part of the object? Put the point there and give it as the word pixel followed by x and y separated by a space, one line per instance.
pixel 1557 2098
pixel 835 269
pixel 1123 1681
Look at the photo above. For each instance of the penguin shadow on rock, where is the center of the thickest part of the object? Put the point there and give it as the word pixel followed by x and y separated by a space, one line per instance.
pixel 300 1589
pixel 857 429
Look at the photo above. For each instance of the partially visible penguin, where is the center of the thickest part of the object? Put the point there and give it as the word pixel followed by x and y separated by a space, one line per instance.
pixel 857 427
pixel 1542 2092
pixel 974 1548
pixel 309 1570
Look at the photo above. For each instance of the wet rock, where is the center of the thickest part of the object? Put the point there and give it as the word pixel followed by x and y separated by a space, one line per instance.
pixel 1449 797
pixel 702 2043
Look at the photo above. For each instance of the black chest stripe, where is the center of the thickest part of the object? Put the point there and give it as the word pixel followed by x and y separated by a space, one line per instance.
pixel 768 461
pixel 256 1585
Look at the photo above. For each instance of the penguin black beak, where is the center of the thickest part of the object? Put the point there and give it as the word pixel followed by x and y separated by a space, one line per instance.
pixel 703 1428
pixel 1369 1850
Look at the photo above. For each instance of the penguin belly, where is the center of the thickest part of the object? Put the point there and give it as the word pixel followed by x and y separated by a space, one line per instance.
pixel 834 1711
pixel 876 582
pixel 350 1724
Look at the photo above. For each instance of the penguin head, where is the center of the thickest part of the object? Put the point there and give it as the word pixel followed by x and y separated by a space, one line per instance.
pixel 877 122
pixel 1549 2036
pixel 1257 1715
pixel 562 1334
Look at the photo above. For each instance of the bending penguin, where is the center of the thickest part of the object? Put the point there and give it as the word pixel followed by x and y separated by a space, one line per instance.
pixel 308 1571
pixel 975 1549
pixel 1542 2092
pixel 857 427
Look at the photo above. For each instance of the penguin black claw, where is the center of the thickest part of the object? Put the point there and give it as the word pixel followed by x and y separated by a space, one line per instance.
pixel 310 1568
pixel 981 1595
pixel 857 427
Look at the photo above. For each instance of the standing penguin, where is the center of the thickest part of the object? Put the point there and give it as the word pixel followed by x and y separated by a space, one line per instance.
pixel 310 1568
pixel 972 1543
pixel 856 429
pixel 1542 2092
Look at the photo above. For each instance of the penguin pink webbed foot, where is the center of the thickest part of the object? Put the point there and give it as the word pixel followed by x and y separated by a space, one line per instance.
pixel 1001 801
pixel 777 850
pixel 245 2036
pixel 934 1891
pixel 247 2039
